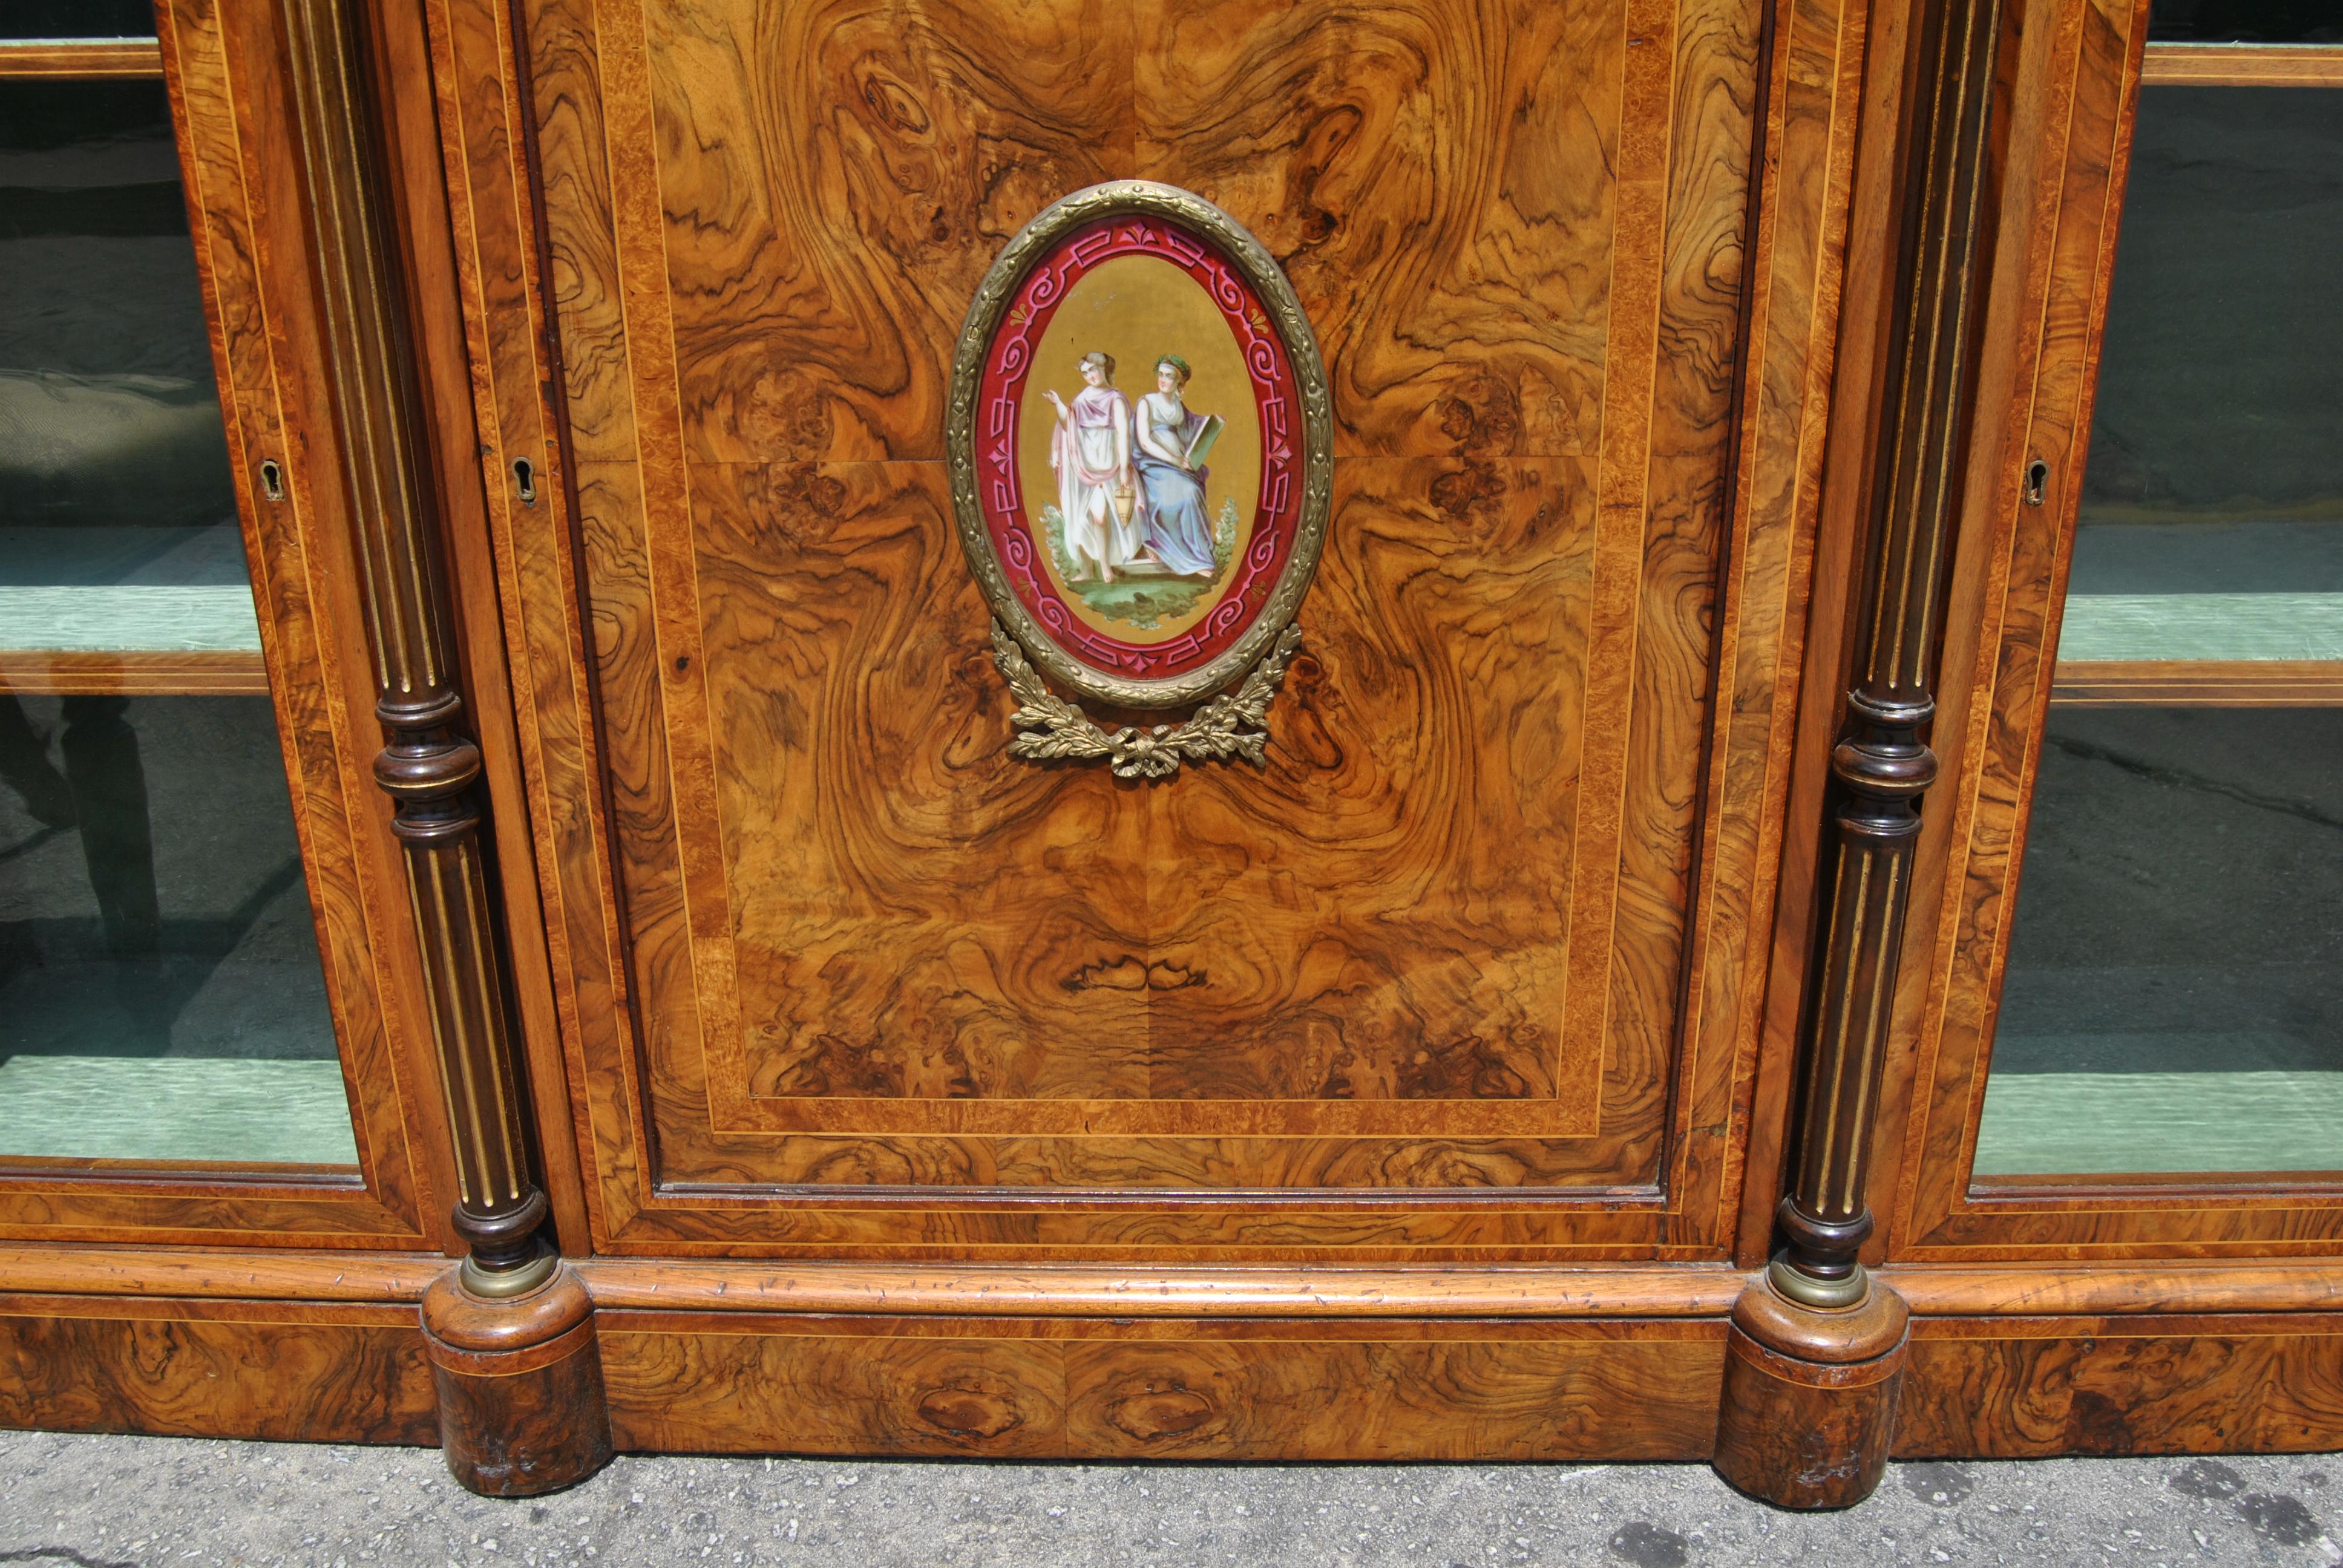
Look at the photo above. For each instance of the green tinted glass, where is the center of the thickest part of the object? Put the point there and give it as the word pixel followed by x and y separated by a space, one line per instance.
pixel 161 997
pixel 2173 993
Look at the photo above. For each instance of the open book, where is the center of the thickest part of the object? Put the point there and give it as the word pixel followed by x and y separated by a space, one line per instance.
pixel 1200 446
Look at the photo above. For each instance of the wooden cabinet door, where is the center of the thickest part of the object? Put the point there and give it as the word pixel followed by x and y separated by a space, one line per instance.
pixel 1465 971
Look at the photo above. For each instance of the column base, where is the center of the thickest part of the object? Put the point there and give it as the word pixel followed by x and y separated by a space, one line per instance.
pixel 1810 1396
pixel 519 1381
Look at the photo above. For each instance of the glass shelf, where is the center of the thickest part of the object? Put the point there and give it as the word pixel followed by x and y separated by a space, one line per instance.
pixel 136 611
pixel 248 1110
pixel 2083 1123
pixel 2206 650
pixel 2202 629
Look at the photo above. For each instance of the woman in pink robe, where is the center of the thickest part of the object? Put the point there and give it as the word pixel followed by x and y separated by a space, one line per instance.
pixel 1090 451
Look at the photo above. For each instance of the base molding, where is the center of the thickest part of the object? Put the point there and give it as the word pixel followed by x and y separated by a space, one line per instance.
pixel 2147 1286
pixel 1633 1363
pixel 1336 1291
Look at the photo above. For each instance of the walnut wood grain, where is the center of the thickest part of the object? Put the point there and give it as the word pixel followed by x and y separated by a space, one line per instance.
pixel 2242 66
pixel 1834 385
pixel 270 1369
pixel 272 347
pixel 675 1391
pixel 1810 1398
pixel 786 699
pixel 1069 1291
pixel 1489 1027
pixel 487 131
pixel 1021 1388
pixel 82 60
pixel 2037 99
pixel 1491 1396
pixel 2287 1285
pixel 422 137
pixel 223 674
pixel 244 1273
pixel 427 765
pixel 519 1384
pixel 2011 1388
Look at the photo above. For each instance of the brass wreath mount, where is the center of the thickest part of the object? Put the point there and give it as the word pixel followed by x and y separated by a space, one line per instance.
pixel 1233 724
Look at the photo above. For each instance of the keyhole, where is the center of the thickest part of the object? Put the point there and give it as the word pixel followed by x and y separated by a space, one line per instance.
pixel 272 479
pixel 2037 480
pixel 525 481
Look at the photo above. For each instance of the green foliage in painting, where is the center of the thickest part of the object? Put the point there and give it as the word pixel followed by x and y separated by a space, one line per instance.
pixel 1142 600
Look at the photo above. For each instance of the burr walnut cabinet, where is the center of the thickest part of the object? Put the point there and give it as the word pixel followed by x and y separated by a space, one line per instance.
pixel 741 942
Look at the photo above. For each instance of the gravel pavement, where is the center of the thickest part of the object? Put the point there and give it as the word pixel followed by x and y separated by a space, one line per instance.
pixel 114 1502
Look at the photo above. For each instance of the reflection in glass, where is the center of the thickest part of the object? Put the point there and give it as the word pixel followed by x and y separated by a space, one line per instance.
pixel 2221 386
pixel 2173 993
pixel 114 467
pixel 2174 996
pixel 161 996
pixel 77 19
pixel 2245 22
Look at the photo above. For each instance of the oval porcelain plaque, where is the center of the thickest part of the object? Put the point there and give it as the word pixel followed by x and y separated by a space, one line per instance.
pixel 1141 442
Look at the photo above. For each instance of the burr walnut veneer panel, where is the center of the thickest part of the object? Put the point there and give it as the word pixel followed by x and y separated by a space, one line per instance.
pixel 1628 1388
pixel 1027 1388
pixel 279 1370
pixel 1463 971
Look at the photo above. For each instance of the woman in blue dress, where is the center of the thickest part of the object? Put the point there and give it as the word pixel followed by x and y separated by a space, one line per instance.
pixel 1178 532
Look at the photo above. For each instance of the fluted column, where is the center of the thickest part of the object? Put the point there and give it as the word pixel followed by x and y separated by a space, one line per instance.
pixel 1882 766
pixel 1815 1356
pixel 510 1330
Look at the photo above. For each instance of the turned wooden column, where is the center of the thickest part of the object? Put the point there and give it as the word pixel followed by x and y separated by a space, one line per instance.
pixel 1817 1355
pixel 510 1329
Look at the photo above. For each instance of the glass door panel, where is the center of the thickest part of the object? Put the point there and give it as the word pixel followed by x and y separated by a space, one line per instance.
pixel 2173 1000
pixel 161 994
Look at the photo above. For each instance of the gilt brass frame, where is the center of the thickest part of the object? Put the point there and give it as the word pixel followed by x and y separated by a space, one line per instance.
pixel 986 312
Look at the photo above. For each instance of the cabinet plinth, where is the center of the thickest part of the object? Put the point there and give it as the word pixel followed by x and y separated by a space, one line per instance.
pixel 1810 1396
pixel 519 1381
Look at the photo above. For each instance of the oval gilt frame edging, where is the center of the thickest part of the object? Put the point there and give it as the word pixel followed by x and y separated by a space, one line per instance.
pixel 986 313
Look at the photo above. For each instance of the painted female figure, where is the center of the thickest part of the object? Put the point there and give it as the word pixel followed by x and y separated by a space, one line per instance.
pixel 1178 532
pixel 1090 451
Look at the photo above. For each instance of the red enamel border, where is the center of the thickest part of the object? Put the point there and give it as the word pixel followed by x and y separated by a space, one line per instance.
pixel 1008 361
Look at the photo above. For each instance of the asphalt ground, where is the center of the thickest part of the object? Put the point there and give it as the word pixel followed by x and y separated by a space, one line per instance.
pixel 96 1502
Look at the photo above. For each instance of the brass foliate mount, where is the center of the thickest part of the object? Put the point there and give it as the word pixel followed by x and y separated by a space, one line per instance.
pixel 1234 724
